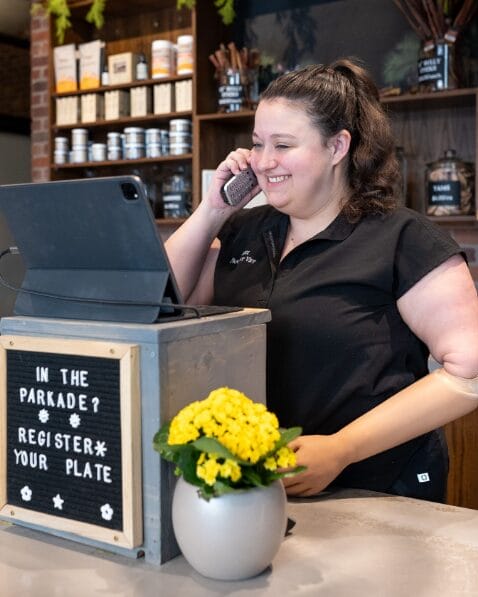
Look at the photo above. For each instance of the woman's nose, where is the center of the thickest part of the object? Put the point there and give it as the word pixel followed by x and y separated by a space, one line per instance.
pixel 264 160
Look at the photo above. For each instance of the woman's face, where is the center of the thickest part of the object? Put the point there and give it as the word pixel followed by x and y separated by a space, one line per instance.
pixel 293 164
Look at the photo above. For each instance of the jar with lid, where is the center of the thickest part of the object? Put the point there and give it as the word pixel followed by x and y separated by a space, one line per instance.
pixel 449 186
pixel 162 58
pixel 184 58
pixel 176 194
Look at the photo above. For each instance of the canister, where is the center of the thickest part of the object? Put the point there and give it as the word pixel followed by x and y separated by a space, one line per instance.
pixel 184 60
pixel 98 152
pixel 134 151
pixel 449 186
pixel 180 125
pixel 162 58
pixel 134 135
pixel 79 138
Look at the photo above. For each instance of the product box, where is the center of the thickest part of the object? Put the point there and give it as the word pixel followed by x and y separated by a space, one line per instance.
pixel 183 93
pixel 116 104
pixel 121 68
pixel 91 54
pixel 65 66
pixel 92 107
pixel 140 98
pixel 164 98
pixel 67 110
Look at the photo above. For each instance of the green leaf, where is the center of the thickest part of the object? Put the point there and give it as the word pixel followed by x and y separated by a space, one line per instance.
pixel 286 436
pixel 226 10
pixel 251 475
pixel 96 13
pixel 212 446
pixel 187 3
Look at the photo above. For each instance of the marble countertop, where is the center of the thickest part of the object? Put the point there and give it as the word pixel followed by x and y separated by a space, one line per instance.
pixel 344 544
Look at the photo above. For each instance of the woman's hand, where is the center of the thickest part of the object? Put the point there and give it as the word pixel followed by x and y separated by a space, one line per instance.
pixel 324 457
pixel 237 161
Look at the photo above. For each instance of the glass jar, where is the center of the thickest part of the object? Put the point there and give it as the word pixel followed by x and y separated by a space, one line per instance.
pixel 176 195
pixel 449 186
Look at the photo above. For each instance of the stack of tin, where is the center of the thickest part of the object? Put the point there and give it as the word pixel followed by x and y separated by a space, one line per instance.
pixel 157 142
pixel 134 142
pixel 60 154
pixel 180 137
pixel 79 146
pixel 114 144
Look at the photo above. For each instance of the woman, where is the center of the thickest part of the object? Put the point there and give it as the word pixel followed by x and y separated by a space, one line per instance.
pixel 360 290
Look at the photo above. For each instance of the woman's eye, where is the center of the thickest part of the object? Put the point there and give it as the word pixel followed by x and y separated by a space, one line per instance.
pixel 256 145
pixel 282 146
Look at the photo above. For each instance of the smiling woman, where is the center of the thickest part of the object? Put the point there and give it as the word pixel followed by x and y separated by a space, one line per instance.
pixel 360 290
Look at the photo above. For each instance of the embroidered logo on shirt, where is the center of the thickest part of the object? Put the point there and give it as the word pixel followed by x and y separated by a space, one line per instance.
pixel 244 258
pixel 423 477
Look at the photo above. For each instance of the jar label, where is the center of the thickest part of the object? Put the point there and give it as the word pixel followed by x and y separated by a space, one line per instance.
pixel 444 192
pixel 435 68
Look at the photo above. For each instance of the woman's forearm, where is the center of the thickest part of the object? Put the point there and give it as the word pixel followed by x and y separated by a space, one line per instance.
pixel 427 404
pixel 188 246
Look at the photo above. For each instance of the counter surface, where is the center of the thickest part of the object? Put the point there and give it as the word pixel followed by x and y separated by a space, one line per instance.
pixel 344 544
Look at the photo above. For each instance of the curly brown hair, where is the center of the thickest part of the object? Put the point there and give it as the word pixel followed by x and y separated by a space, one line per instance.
pixel 344 96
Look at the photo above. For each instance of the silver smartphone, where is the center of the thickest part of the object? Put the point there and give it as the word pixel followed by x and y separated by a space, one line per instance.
pixel 237 187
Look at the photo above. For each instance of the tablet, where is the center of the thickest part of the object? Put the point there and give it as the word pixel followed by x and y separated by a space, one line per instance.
pixel 92 250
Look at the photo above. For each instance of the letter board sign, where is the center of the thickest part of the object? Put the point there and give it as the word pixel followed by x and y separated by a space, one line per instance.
pixel 70 449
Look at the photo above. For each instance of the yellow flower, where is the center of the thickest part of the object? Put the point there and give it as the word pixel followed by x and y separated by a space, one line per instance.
pixel 286 458
pixel 245 428
pixel 208 468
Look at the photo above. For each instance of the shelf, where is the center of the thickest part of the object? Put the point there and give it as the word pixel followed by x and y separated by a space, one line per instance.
pixel 113 164
pixel 127 120
pixel 433 99
pixel 135 83
pixel 229 116
pixel 470 220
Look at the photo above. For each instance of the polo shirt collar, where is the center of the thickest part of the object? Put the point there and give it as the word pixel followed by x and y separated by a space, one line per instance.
pixel 338 229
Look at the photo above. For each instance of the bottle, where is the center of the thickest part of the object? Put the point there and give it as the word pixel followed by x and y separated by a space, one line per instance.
pixel 141 68
pixel 105 79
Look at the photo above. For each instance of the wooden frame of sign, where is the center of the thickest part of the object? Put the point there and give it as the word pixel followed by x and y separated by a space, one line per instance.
pixel 70 437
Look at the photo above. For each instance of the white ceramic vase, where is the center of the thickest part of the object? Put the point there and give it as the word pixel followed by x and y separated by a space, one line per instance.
pixel 231 537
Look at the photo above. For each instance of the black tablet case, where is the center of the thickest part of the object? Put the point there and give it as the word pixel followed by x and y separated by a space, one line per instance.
pixel 93 239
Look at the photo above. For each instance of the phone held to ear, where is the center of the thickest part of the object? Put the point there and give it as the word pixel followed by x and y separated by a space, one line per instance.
pixel 237 187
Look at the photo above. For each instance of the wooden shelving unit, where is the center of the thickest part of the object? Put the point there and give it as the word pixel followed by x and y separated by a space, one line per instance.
pixel 425 124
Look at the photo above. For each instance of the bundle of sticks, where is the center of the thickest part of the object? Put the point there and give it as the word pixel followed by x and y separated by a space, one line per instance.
pixel 430 21
pixel 226 59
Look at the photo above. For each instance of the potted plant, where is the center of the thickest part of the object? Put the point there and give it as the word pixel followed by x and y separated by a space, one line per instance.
pixel 229 506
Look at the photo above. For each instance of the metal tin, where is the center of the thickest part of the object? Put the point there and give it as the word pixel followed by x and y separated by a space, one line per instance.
pixel 98 152
pixel 179 148
pixel 134 151
pixel 114 139
pixel 154 150
pixel 134 135
pixel 115 153
pixel 180 125
pixel 79 137
pixel 61 143
pixel 78 155
pixel 60 156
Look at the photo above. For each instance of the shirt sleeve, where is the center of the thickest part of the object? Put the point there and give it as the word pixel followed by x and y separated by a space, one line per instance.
pixel 422 246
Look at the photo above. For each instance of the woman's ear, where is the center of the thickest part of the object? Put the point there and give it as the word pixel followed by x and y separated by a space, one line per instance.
pixel 340 145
